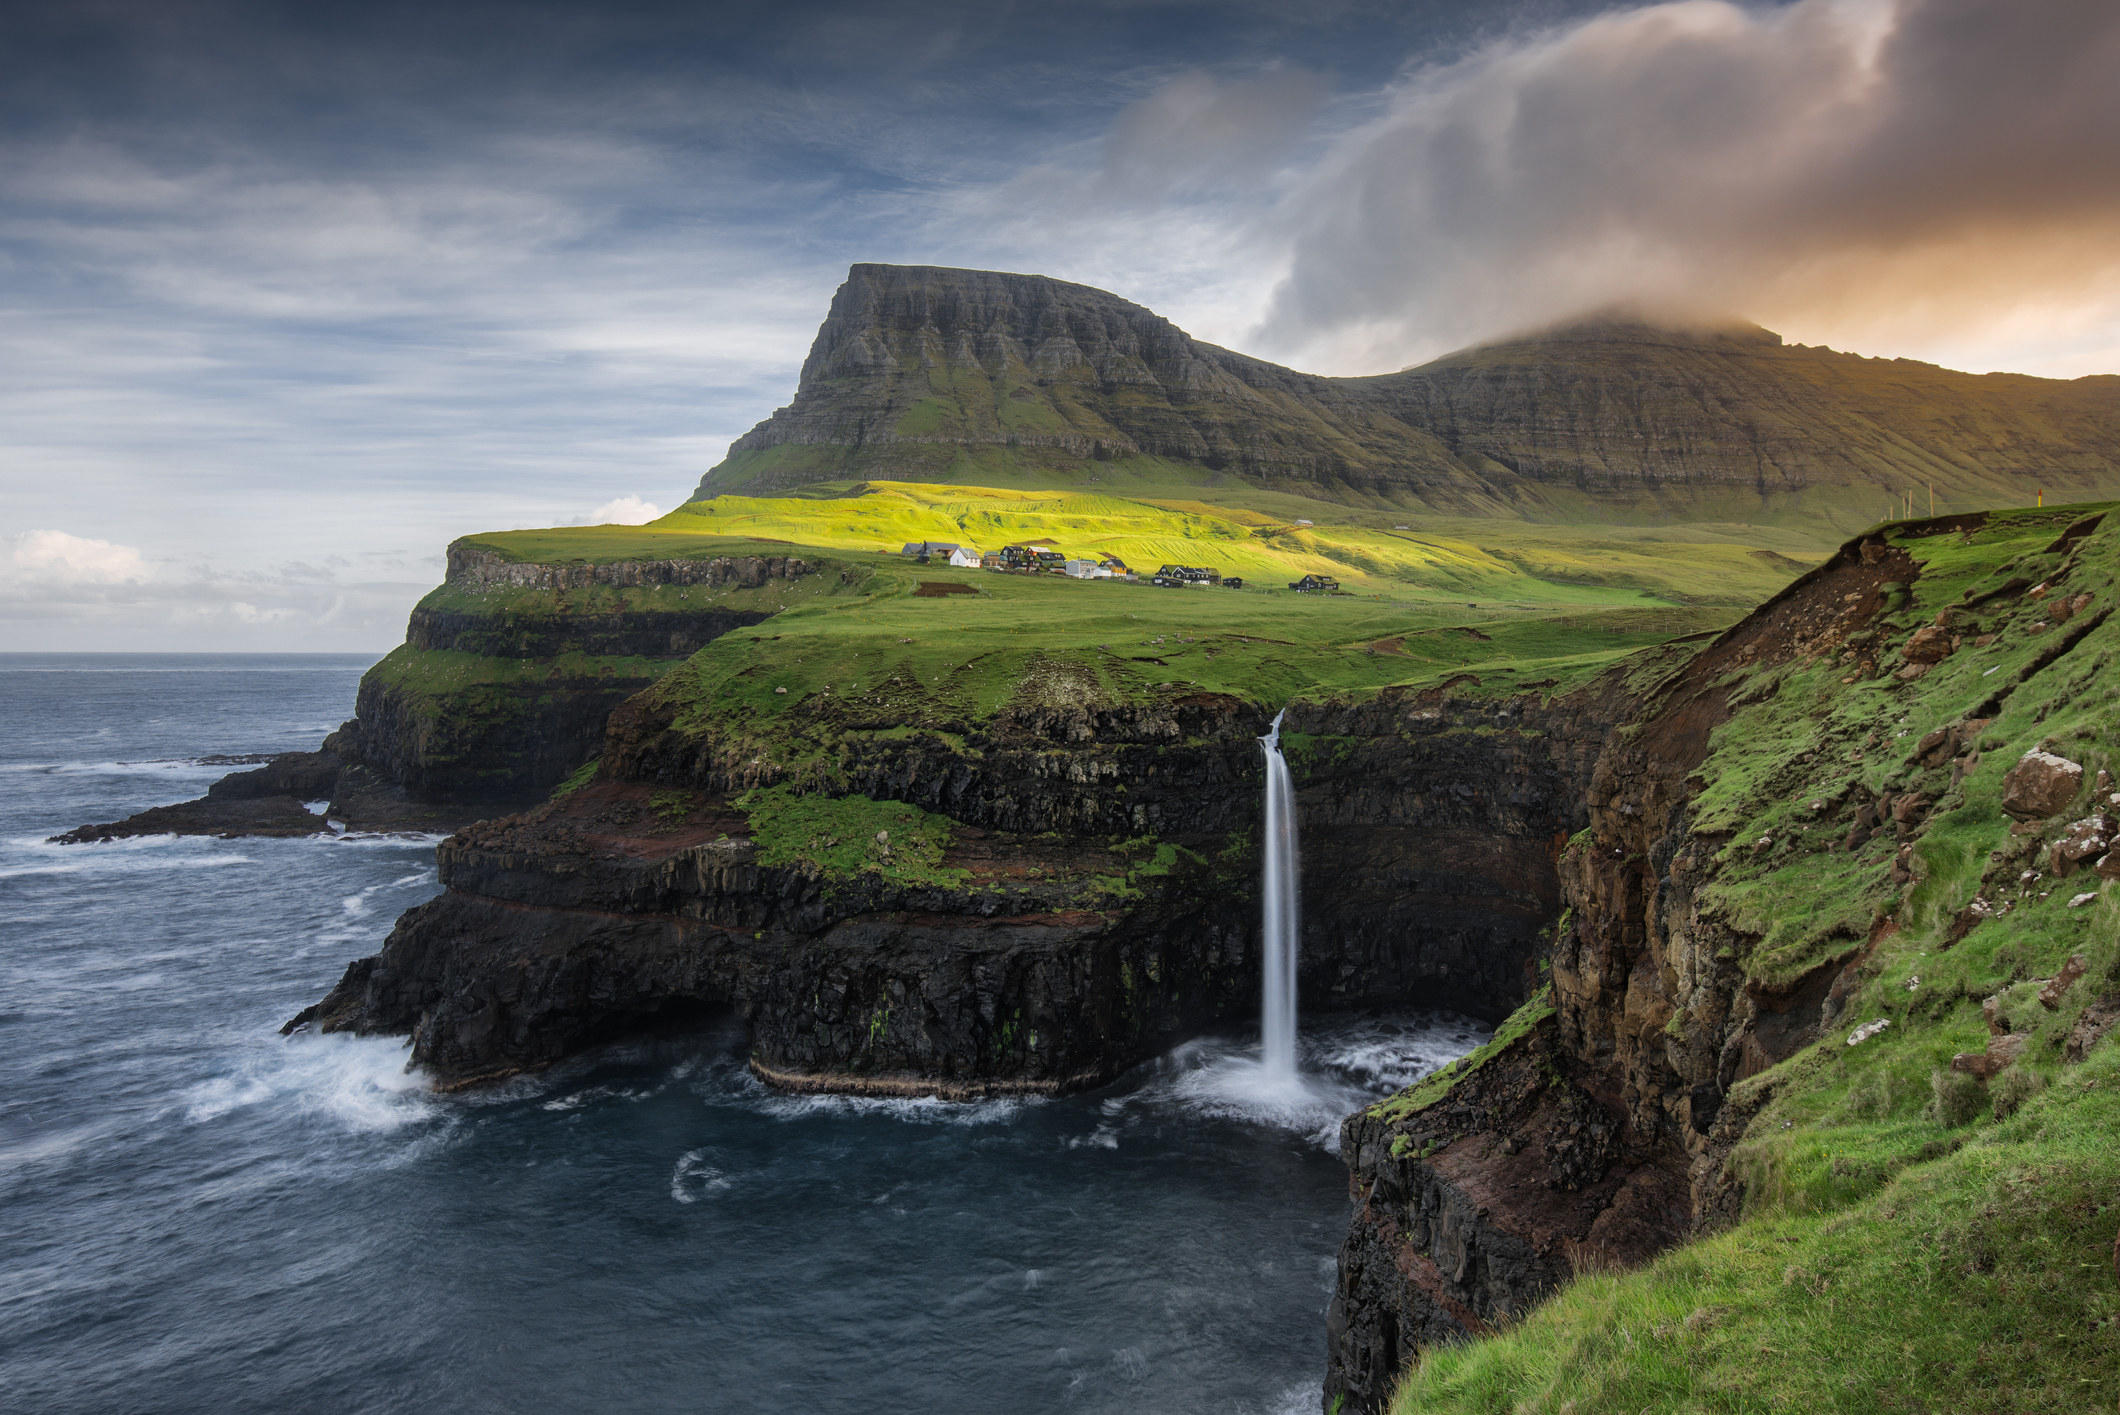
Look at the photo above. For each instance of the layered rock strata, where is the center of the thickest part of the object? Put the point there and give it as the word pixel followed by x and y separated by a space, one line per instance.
pixel 924 373
pixel 1095 898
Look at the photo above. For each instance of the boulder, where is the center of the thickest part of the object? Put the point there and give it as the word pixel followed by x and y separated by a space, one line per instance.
pixel 2086 839
pixel 2050 996
pixel 2091 1026
pixel 2040 785
pixel 1930 644
pixel 2002 1052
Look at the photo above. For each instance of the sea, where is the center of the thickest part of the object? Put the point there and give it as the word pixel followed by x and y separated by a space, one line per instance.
pixel 197 1214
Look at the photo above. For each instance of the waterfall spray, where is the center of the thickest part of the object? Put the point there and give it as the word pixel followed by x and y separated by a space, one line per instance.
pixel 1278 885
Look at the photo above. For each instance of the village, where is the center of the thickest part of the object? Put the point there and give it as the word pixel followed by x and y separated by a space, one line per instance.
pixel 1041 558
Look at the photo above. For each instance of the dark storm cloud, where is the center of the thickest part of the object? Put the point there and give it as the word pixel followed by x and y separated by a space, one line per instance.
pixel 1921 167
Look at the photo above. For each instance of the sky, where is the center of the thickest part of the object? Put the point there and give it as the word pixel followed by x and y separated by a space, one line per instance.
pixel 294 294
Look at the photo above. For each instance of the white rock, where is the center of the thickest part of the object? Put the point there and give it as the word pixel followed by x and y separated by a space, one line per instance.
pixel 1868 1030
pixel 2082 899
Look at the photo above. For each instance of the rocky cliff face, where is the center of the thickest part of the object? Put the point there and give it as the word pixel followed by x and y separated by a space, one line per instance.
pixel 914 365
pixel 510 669
pixel 1091 894
pixel 1751 839
pixel 929 374
pixel 1613 409
pixel 507 676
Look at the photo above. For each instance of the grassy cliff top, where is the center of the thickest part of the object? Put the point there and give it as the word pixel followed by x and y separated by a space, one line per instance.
pixel 1261 536
pixel 887 653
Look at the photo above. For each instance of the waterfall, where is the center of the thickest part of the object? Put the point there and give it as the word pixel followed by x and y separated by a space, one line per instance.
pixel 1278 881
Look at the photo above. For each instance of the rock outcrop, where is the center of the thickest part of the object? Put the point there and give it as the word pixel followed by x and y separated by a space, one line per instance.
pixel 1092 895
pixel 1698 951
pixel 921 373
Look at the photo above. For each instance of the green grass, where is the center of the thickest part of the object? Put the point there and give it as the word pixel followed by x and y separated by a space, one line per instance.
pixel 1981 1281
pixel 1430 1089
pixel 506 604
pixel 1240 531
pixel 849 835
pixel 797 689
pixel 1904 1246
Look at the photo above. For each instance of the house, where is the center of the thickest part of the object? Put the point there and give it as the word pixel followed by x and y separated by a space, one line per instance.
pixel 965 558
pixel 1032 557
pixel 925 550
pixel 1173 575
pixel 1086 570
pixel 1114 564
pixel 1316 584
pixel 1301 522
pixel 1234 582
pixel 991 560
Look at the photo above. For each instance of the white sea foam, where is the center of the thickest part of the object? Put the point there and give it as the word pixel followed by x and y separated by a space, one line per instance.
pixel 400 838
pixel 139 854
pixel 359 1083
pixel 1296 1400
pixel 1238 1087
pixel 20 871
pixel 918 1110
pixel 694 1178
pixel 1344 1066
pixel 1104 1137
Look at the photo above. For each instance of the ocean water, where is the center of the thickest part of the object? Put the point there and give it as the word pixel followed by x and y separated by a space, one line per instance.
pixel 197 1215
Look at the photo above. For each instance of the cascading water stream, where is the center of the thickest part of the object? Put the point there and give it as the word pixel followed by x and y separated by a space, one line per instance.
pixel 1278 892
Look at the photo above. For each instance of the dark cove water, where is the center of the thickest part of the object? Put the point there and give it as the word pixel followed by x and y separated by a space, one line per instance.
pixel 200 1216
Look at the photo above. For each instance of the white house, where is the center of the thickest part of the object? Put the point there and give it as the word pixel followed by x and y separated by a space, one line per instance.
pixel 965 558
pixel 1087 570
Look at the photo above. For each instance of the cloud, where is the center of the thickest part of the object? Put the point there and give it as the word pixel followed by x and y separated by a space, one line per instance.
pixel 622 511
pixel 1196 131
pixel 60 591
pixel 56 558
pixel 1926 170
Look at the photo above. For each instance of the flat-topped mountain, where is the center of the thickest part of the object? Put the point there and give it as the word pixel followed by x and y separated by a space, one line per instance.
pixel 922 373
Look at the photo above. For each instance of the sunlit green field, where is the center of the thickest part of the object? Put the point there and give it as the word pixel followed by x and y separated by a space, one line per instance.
pixel 972 651
pixel 1258 535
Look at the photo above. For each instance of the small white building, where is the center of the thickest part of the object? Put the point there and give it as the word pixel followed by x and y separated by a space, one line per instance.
pixel 965 558
pixel 1087 570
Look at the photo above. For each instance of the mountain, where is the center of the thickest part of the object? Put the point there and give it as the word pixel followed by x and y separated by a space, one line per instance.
pixel 921 373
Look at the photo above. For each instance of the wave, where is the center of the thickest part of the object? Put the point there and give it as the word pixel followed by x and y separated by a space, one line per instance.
pixel 100 859
pixel 914 1110
pixel 358 1084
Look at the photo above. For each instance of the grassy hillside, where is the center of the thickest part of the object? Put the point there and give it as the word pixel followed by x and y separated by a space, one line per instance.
pixel 1253 534
pixel 1914 1237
